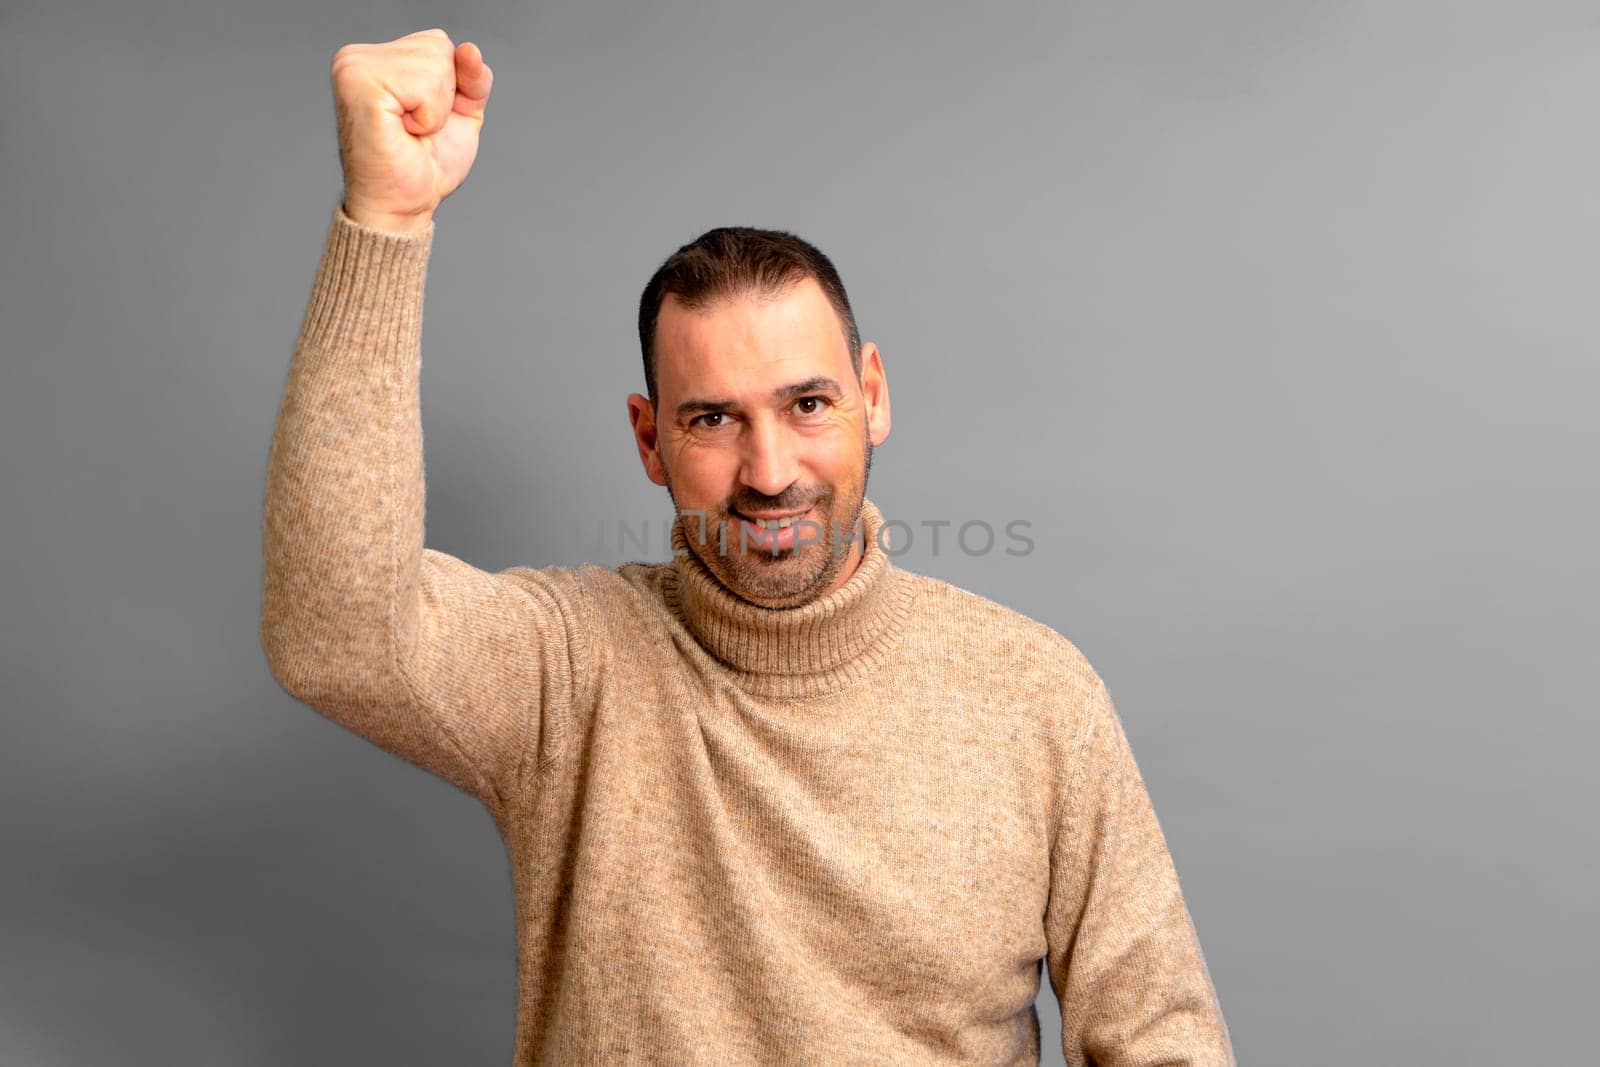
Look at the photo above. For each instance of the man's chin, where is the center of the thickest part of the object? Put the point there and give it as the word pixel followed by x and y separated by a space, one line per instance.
pixel 781 581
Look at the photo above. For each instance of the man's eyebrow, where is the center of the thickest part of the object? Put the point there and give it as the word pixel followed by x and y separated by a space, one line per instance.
pixel 819 384
pixel 695 405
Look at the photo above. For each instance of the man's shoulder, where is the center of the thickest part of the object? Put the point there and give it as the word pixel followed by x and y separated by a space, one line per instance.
pixel 958 624
pixel 597 595
pixel 593 587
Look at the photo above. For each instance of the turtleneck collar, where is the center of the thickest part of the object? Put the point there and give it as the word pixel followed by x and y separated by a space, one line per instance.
pixel 798 651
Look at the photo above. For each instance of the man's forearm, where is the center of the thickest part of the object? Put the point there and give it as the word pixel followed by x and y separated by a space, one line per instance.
pixel 344 498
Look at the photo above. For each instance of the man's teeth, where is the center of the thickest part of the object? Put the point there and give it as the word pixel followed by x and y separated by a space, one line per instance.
pixel 774 524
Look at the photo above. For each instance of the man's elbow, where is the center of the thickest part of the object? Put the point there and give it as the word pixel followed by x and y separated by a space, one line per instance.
pixel 302 669
pixel 287 660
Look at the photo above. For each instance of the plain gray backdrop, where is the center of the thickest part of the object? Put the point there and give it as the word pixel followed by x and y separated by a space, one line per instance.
pixel 1276 320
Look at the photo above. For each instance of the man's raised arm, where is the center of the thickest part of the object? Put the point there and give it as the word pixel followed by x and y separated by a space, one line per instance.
pixel 463 673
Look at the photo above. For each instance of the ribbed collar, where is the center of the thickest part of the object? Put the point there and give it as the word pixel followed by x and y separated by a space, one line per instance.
pixel 819 646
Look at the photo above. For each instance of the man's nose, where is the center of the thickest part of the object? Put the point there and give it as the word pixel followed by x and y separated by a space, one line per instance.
pixel 769 463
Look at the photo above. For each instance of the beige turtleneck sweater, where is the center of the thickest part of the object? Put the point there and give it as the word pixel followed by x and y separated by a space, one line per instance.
pixel 850 832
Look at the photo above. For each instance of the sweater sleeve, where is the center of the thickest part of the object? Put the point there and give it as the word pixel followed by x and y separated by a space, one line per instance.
pixel 463 673
pixel 1124 959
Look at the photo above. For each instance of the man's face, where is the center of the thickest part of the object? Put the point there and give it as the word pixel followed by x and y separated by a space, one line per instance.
pixel 761 418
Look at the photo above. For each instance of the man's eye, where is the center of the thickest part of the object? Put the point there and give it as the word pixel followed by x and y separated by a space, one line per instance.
pixel 711 420
pixel 811 405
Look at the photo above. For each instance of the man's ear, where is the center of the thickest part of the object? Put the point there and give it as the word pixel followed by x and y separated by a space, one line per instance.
pixel 643 417
pixel 875 394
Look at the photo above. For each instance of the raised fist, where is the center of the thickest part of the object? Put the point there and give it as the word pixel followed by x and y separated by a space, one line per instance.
pixel 409 113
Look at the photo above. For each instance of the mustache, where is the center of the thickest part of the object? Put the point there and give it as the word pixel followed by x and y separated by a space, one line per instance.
pixel 796 500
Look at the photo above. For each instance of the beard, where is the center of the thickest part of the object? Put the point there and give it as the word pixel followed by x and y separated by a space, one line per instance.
pixel 778 577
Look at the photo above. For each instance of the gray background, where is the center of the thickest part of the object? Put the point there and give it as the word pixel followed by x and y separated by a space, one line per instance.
pixel 1275 319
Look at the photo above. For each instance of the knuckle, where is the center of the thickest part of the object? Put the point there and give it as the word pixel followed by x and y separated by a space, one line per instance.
pixel 350 60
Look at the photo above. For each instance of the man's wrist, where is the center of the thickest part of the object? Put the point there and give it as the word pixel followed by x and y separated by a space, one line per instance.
pixel 388 222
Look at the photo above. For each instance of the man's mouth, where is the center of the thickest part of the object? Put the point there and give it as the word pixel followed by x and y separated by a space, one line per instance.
pixel 771 531
pixel 771 524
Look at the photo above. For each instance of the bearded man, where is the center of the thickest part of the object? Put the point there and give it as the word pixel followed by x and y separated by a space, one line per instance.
pixel 776 801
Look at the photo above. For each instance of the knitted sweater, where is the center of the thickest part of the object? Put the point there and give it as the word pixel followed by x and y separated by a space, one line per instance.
pixel 849 832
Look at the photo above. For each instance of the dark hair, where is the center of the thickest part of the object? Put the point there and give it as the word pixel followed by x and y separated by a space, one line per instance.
pixel 731 261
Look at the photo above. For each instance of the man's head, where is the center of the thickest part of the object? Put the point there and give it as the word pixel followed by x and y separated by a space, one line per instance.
pixel 763 405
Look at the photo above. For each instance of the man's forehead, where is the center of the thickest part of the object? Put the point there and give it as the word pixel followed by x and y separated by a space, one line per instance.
pixel 750 332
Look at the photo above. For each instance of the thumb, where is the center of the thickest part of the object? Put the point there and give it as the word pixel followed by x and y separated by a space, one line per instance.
pixel 423 81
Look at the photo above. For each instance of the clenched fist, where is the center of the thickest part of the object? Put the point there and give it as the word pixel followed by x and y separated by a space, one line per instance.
pixel 409 113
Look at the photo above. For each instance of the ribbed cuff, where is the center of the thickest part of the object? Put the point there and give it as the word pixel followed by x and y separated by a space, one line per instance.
pixel 368 289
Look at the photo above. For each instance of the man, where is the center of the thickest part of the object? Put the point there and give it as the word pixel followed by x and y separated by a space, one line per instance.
pixel 777 801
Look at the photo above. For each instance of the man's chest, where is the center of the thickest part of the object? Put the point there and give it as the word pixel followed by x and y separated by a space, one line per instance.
pixel 897 850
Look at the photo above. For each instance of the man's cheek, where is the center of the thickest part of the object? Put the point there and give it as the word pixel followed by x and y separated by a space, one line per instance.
pixel 841 450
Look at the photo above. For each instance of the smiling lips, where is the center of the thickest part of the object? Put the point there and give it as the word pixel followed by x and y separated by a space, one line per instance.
pixel 773 524
pixel 773 531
